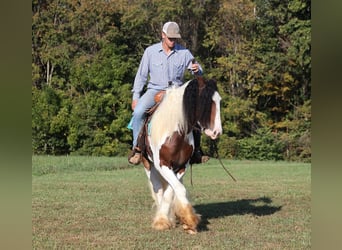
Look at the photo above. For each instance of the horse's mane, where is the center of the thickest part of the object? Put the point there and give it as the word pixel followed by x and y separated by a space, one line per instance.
pixel 181 108
pixel 197 108
pixel 169 115
pixel 205 101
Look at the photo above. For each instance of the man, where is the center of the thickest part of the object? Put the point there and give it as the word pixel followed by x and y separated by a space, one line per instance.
pixel 163 64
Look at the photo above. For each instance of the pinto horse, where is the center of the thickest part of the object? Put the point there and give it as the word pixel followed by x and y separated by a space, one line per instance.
pixel 171 145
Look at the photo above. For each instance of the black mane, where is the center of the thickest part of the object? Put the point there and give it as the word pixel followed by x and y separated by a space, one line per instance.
pixel 197 106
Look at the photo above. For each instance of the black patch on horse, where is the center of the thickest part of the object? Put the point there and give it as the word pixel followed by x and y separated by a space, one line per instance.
pixel 197 103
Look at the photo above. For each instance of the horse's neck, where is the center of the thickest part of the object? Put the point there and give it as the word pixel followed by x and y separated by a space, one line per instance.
pixel 169 117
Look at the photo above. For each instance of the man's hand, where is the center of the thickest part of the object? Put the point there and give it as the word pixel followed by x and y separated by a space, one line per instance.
pixel 134 103
pixel 195 67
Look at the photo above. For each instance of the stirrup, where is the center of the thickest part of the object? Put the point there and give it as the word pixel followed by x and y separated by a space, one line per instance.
pixel 135 157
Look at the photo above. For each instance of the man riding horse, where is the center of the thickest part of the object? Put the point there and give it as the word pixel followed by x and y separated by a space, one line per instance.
pixel 162 65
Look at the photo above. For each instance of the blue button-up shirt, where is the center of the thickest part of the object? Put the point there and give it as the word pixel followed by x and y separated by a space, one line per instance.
pixel 158 69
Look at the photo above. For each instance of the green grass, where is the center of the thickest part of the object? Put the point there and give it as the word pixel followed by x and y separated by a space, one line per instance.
pixel 103 203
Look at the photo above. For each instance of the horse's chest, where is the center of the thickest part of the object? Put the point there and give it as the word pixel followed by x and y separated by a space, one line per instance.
pixel 175 152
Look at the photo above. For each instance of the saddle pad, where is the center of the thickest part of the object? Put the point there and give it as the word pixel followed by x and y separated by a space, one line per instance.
pixel 129 125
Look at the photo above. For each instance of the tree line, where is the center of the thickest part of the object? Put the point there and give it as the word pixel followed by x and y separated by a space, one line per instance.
pixel 85 54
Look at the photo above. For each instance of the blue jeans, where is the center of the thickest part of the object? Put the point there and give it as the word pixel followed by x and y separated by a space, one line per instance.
pixel 145 102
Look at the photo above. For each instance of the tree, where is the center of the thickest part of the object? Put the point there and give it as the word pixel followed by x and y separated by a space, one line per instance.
pixel 85 55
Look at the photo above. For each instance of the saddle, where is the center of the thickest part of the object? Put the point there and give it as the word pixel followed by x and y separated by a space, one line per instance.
pixel 143 142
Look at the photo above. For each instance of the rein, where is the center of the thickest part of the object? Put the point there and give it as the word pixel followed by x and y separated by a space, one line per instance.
pixel 214 145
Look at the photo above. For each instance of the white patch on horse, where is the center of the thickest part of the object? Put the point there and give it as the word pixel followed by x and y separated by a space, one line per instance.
pixel 214 132
pixel 169 116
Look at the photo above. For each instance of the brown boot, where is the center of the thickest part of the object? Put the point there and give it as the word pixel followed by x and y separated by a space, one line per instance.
pixel 135 156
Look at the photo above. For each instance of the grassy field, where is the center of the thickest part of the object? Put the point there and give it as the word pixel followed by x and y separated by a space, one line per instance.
pixel 103 203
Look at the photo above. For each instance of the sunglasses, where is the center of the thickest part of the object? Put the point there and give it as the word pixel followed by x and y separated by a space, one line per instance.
pixel 172 39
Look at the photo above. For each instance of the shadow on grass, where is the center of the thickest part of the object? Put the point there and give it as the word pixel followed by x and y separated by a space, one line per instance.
pixel 257 207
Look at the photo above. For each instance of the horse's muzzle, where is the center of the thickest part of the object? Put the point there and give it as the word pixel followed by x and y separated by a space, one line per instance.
pixel 213 134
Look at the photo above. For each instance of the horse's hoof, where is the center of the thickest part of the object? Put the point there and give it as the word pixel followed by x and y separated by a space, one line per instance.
pixel 189 230
pixel 161 224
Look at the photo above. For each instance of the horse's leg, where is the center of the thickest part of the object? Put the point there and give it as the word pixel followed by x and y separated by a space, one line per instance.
pixel 182 206
pixel 162 194
pixel 163 219
pixel 156 185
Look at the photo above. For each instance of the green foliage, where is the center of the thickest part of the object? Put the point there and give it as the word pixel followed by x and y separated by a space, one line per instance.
pixel 263 145
pixel 297 133
pixel 49 122
pixel 85 55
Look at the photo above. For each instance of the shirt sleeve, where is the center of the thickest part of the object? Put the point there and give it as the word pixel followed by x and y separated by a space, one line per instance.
pixel 141 76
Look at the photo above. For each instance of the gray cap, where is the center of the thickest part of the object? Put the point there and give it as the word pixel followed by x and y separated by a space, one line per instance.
pixel 171 29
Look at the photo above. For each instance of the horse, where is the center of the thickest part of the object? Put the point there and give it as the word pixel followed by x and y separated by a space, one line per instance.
pixel 171 144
